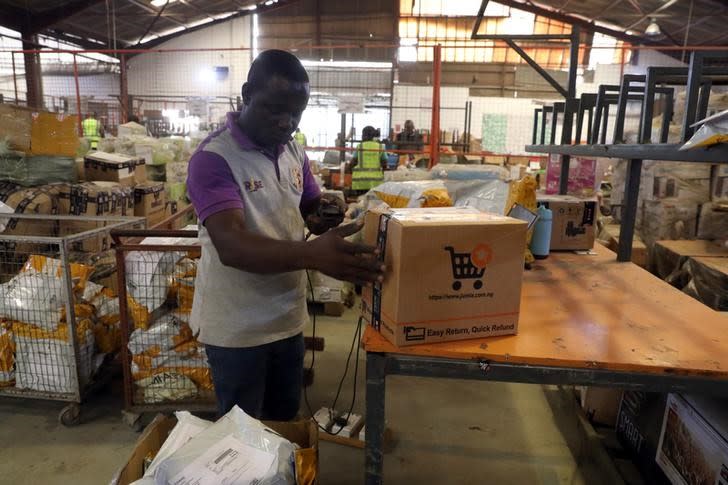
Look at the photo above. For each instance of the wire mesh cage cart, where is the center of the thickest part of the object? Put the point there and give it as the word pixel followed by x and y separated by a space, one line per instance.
pixel 165 368
pixel 58 322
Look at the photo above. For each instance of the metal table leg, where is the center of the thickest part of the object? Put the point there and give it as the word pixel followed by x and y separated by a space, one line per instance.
pixel 373 461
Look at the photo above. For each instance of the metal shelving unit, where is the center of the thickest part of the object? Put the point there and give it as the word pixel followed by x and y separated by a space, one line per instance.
pixel 698 78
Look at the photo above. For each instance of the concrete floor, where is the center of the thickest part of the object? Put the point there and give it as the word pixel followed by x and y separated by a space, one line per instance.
pixel 446 431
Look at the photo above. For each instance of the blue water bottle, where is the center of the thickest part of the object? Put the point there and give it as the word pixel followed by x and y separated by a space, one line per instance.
pixel 541 240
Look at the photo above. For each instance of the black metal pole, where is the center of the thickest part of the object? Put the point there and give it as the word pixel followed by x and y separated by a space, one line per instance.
pixel 629 215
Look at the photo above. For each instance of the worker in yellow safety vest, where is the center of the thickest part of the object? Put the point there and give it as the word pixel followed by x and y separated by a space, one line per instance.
pixel 368 162
pixel 300 137
pixel 92 129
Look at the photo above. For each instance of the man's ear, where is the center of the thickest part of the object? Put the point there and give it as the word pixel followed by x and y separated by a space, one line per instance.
pixel 246 92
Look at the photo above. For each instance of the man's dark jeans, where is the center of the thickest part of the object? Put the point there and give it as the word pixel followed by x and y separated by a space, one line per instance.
pixel 264 381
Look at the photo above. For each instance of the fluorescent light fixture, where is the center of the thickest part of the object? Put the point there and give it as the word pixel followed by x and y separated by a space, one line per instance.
pixel 250 7
pixel 653 29
pixel 207 75
pixel 347 64
pixel 204 21
pixel 161 3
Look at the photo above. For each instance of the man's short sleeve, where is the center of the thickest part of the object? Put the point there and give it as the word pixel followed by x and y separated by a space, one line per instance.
pixel 311 189
pixel 211 185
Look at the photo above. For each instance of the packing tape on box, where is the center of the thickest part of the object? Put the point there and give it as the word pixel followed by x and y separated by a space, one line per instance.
pixel 381 246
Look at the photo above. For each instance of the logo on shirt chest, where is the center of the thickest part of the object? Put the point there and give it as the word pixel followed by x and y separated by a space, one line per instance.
pixel 297 178
pixel 253 185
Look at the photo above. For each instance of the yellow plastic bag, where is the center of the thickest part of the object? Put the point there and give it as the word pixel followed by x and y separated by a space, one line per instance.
pixel 306 466
pixel 7 356
pixel 43 264
pixel 421 193
pixel 27 330
pixel 108 337
pixel 524 192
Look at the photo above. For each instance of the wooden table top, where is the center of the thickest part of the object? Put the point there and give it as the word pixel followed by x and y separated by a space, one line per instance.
pixel 589 311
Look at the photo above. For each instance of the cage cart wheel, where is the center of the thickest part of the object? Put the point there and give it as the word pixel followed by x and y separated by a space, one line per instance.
pixel 478 285
pixel 457 285
pixel 70 415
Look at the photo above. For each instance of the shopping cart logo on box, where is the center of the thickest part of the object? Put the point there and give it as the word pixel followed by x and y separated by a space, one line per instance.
pixel 469 266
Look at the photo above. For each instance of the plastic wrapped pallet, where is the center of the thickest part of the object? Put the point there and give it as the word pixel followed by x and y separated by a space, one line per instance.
pixel 16 122
pixel 243 449
pixel 687 182
pixel 713 221
pixel 668 219
pixel 708 281
pixel 31 171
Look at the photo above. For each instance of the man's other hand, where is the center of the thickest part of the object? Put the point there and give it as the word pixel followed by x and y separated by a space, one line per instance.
pixel 329 214
pixel 336 257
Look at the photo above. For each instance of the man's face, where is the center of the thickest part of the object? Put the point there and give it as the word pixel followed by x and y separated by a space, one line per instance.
pixel 276 110
pixel 409 126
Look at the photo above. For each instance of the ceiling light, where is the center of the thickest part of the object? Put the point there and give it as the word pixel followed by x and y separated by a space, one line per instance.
pixel 250 7
pixel 653 29
pixel 161 3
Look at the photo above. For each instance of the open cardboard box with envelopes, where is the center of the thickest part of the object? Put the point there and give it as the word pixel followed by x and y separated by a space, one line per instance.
pixel 303 433
pixel 452 274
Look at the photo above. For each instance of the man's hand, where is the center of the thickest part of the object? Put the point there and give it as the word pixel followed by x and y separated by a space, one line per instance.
pixel 329 214
pixel 334 256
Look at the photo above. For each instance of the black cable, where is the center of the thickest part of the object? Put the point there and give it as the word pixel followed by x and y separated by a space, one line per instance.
pixel 355 341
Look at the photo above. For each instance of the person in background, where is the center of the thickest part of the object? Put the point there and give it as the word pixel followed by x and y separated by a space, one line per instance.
pixel 409 139
pixel 368 163
pixel 252 188
pixel 93 129
pixel 300 138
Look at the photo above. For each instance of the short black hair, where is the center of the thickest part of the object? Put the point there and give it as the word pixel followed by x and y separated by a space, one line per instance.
pixel 276 62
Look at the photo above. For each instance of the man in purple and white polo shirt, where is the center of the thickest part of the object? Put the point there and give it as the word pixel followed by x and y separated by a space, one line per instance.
pixel 254 194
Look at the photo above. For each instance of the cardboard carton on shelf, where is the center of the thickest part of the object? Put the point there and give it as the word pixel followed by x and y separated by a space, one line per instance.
pixel 719 183
pixel 453 274
pixel 94 199
pixel 112 167
pixel 16 126
pixel 609 237
pixel 574 221
pixel 601 404
pixel 54 134
pixel 694 440
pixel 150 201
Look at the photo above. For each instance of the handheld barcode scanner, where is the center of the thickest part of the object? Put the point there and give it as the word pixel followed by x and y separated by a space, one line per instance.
pixel 330 214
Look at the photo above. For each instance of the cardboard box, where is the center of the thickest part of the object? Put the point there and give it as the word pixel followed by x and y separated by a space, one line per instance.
pixel 609 237
pixel 693 445
pixel 150 202
pixel 111 167
pixel 601 404
pixel 54 134
pixel 16 125
pixel 574 221
pixel 93 199
pixel 303 433
pixel 453 273
pixel 719 183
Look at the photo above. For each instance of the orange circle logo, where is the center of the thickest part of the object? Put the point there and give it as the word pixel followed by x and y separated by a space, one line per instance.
pixel 481 255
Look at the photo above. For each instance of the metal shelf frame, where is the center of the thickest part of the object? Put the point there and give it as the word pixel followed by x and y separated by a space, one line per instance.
pixel 697 77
